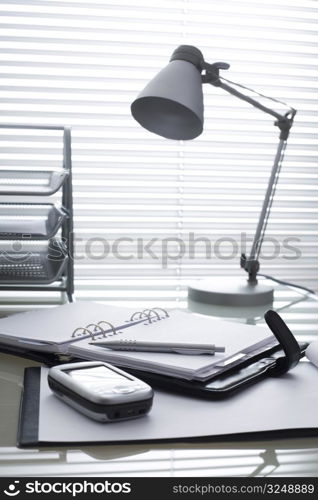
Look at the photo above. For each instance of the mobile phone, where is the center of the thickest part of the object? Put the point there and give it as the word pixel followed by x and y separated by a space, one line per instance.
pixel 100 391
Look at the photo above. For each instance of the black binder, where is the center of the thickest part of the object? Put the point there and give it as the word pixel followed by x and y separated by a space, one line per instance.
pixel 272 362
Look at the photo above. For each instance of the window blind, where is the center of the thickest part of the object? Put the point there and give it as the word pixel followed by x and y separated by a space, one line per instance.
pixel 153 214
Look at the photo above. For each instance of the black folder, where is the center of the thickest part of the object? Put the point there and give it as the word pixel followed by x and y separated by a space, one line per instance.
pixel 281 407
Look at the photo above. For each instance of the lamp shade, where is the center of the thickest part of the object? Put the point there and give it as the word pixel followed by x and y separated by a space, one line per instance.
pixel 171 105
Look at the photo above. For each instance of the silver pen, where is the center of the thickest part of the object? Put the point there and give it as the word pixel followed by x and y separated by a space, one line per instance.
pixel 168 347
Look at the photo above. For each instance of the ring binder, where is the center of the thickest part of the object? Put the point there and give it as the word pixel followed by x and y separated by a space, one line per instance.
pixel 148 313
pixel 82 329
pixel 112 328
pixel 163 310
pixel 94 329
pixel 252 353
pixel 101 330
pixel 95 326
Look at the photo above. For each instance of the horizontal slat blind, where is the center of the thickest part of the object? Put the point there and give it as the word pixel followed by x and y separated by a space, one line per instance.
pixel 81 64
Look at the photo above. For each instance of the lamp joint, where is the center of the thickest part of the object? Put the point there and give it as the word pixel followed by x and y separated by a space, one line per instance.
pixel 251 266
pixel 212 72
pixel 285 123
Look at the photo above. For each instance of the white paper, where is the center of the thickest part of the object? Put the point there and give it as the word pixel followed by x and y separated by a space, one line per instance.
pixel 56 324
pixel 288 402
pixel 179 327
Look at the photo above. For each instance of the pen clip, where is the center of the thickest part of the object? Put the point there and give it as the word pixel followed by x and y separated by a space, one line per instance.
pixel 193 351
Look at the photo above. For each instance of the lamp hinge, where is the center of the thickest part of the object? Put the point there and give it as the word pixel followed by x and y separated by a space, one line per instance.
pixel 212 72
pixel 284 124
pixel 251 266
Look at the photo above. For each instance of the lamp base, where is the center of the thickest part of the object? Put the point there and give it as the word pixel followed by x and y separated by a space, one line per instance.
pixel 230 292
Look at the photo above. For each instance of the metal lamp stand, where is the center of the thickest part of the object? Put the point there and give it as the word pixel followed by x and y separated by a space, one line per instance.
pixel 225 291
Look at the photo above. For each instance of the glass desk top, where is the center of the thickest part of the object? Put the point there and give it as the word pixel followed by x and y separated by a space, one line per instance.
pixel 281 457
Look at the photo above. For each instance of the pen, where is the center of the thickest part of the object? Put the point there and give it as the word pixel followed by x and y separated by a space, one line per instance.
pixel 177 348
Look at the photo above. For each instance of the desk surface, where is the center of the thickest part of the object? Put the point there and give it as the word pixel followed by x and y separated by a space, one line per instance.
pixel 294 457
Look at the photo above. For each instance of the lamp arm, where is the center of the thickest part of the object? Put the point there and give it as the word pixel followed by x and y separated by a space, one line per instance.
pixel 212 76
pixel 250 100
pixel 284 123
pixel 251 263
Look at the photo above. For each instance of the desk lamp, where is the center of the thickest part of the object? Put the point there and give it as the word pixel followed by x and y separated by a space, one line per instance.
pixel 171 105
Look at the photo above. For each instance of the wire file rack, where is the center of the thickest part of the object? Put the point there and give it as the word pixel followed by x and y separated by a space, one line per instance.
pixel 36 238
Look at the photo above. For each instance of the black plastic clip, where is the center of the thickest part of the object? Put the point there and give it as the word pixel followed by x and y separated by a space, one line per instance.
pixel 287 341
pixel 212 72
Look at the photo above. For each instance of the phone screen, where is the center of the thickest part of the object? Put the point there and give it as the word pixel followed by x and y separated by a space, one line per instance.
pixel 97 375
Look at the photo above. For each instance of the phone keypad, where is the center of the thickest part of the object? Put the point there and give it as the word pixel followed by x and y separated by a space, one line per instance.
pixel 101 391
pixel 124 389
pixel 119 389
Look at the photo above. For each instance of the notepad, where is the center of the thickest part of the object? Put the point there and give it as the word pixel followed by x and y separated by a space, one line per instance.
pixel 53 329
pixel 240 340
pixel 71 328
